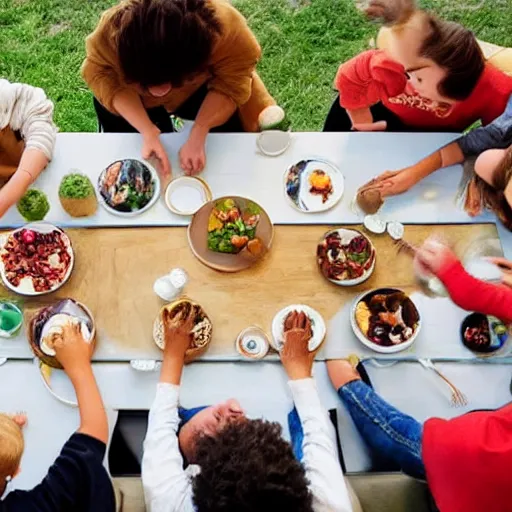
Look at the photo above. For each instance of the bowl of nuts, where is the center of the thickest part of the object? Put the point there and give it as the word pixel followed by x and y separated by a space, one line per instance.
pixel 201 332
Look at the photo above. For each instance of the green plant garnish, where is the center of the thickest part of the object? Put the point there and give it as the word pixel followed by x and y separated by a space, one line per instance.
pixel 76 186
pixel 34 205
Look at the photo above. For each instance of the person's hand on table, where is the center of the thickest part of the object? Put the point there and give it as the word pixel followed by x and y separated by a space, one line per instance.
pixel 295 355
pixel 153 149
pixel 177 332
pixel 71 350
pixel 433 256
pixel 393 183
pixel 192 153
pixel 506 267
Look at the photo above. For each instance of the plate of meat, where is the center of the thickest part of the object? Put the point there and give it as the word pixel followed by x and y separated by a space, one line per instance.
pixel 346 257
pixel 36 259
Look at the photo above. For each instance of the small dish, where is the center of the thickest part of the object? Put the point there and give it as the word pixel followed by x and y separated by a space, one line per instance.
pixel 212 236
pixel 202 331
pixel 128 187
pixel 346 257
pixel 313 185
pixel 377 310
pixel 375 224
pixel 11 319
pixel 483 334
pixel 41 253
pixel 317 325
pixel 252 343
pixel 273 142
pixel 185 195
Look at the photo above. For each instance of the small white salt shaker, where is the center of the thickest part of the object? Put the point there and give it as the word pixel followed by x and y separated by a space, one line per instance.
pixel 170 286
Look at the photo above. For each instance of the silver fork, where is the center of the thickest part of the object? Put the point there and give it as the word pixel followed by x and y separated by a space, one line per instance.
pixel 458 398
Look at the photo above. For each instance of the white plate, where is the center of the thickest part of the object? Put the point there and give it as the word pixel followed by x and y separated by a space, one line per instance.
pixel 313 203
pixel 373 346
pixel 273 142
pixel 347 235
pixel 40 227
pixel 317 325
pixel 154 199
pixel 185 195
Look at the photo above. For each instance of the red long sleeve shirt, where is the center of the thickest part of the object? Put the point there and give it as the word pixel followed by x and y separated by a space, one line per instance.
pixel 372 77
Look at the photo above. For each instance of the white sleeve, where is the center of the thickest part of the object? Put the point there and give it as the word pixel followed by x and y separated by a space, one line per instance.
pixel 320 457
pixel 27 109
pixel 167 487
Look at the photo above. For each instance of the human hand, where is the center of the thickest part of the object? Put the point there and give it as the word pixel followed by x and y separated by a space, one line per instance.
pixel 177 331
pixel 433 256
pixel 474 200
pixel 506 267
pixel 392 183
pixel 295 355
pixel 192 154
pixel 341 372
pixel 153 149
pixel 71 350
pixel 20 418
pixel 377 126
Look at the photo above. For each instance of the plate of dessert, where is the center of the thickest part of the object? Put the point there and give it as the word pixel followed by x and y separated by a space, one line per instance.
pixel 128 187
pixel 483 334
pixel 35 259
pixel 279 326
pixel 46 327
pixel 386 320
pixel 230 234
pixel 346 257
pixel 201 333
pixel 314 185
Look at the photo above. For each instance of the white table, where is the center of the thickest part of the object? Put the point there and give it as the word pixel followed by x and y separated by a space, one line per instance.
pixel 234 167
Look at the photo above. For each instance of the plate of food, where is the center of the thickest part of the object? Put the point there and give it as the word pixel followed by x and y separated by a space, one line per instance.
pixel 47 324
pixel 201 333
pixel 35 259
pixel 346 257
pixel 128 187
pixel 318 327
pixel 483 334
pixel 314 185
pixel 386 320
pixel 230 234
pixel 186 194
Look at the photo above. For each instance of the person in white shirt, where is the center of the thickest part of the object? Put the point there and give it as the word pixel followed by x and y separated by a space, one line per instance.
pixel 27 138
pixel 240 464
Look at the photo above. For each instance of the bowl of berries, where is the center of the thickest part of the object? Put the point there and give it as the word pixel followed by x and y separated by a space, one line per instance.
pixel 36 259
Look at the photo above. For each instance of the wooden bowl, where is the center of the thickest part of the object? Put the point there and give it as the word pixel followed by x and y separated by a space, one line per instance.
pixel 158 329
pixel 45 358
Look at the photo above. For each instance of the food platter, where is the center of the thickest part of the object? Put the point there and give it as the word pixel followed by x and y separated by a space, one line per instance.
pixel 202 331
pixel 128 187
pixel 230 234
pixel 346 257
pixel 186 194
pixel 36 259
pixel 317 326
pixel 49 321
pixel 484 335
pixel 313 185
pixel 385 320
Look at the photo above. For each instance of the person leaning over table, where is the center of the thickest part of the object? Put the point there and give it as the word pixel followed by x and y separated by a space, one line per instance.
pixel 489 181
pixel 238 463
pixel 77 480
pixel 27 139
pixel 465 460
pixel 193 58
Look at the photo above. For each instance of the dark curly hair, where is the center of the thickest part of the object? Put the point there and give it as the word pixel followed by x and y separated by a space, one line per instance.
pixel 249 467
pixel 165 41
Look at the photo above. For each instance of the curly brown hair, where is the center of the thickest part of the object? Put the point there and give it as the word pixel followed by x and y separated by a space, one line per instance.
pixel 450 45
pixel 165 41
pixel 249 467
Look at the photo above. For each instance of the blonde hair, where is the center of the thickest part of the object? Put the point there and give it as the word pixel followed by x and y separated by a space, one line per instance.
pixel 11 447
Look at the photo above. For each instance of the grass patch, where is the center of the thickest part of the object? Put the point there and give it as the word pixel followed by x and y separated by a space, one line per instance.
pixel 42 43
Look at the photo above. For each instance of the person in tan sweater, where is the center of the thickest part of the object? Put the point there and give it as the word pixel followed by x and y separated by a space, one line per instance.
pixel 193 58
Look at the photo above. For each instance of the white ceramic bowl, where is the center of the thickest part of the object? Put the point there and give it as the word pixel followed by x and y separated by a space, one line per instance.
pixel 393 349
pixel 197 193
pixel 153 200
pixel 318 326
pixel 273 142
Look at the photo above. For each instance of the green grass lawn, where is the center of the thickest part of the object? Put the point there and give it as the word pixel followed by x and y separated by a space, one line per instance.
pixel 42 43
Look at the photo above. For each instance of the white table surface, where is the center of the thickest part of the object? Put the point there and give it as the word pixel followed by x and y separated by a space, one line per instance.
pixel 236 168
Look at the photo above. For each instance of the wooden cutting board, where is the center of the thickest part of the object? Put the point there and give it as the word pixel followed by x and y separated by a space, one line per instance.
pixel 115 270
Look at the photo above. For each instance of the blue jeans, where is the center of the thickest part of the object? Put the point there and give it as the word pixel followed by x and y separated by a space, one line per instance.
pixel 389 433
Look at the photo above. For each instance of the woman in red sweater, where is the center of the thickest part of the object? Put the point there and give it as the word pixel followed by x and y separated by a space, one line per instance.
pixel 466 461
pixel 431 76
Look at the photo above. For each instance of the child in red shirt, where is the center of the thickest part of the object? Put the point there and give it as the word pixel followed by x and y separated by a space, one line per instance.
pixel 432 76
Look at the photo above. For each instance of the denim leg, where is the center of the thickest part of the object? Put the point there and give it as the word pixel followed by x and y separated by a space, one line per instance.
pixel 387 431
